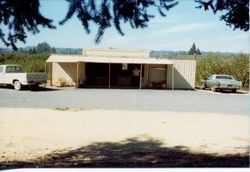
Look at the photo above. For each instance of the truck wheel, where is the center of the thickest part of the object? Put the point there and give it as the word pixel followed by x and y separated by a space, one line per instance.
pixel 17 85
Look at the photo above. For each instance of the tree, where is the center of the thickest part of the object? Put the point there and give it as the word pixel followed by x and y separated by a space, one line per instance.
pixel 236 65
pixel 240 69
pixel 22 16
pixel 237 11
pixel 198 52
pixel 53 50
pixel 192 50
pixel 43 47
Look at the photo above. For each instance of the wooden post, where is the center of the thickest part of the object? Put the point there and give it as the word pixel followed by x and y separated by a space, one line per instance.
pixel 51 70
pixel 77 75
pixel 46 74
pixel 172 76
pixel 140 76
pixel 166 73
pixel 109 73
pixel 45 68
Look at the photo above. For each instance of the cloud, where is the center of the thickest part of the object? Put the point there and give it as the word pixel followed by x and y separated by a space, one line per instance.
pixel 116 41
pixel 233 43
pixel 187 27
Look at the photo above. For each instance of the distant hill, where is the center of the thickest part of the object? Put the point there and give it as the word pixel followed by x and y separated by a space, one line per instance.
pixel 158 53
pixel 153 53
pixel 30 49
pixel 68 51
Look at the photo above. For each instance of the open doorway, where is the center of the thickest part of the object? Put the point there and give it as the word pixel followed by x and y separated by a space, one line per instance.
pixel 120 76
pixel 97 75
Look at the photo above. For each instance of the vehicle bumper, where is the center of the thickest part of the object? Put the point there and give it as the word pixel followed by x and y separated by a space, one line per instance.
pixel 227 87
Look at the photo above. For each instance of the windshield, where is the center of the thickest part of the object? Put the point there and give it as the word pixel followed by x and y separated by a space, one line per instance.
pixel 13 69
pixel 224 77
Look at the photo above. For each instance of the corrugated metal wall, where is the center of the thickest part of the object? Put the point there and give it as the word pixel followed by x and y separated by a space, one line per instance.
pixel 67 72
pixel 184 74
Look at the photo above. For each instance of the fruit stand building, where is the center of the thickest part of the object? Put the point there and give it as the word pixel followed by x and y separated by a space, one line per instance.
pixel 112 68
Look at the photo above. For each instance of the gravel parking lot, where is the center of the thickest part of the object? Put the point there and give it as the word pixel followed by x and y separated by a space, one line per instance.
pixel 128 99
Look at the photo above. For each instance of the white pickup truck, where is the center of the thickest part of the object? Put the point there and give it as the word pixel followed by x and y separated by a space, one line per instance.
pixel 14 75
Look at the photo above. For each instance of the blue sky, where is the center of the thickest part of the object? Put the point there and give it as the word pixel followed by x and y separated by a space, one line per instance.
pixel 183 25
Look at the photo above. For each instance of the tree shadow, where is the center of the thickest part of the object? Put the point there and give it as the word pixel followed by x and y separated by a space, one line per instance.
pixel 130 153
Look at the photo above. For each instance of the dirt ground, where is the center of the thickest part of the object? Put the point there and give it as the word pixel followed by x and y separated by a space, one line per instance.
pixel 27 134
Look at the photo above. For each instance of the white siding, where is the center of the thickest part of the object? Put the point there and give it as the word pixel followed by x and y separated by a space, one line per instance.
pixel 184 74
pixel 116 53
pixel 67 72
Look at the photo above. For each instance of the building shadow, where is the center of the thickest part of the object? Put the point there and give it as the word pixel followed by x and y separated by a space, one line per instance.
pixel 130 153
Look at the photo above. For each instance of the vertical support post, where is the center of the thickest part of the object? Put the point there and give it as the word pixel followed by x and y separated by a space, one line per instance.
pixel 45 71
pixel 166 76
pixel 140 76
pixel 109 73
pixel 51 70
pixel 172 76
pixel 77 75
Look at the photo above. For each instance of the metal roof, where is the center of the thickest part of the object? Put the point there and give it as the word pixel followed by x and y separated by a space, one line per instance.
pixel 64 58
pixel 100 59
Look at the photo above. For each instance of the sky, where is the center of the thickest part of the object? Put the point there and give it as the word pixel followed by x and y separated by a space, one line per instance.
pixel 183 26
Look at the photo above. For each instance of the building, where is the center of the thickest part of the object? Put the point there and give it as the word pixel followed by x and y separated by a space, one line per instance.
pixel 112 68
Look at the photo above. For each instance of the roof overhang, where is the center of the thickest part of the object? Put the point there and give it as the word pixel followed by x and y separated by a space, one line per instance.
pixel 60 58
pixel 128 60
pixel 99 59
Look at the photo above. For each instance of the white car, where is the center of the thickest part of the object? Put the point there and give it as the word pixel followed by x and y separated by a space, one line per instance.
pixel 221 82
pixel 14 75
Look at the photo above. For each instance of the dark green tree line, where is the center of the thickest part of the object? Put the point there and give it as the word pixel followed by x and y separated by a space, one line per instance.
pixel 194 51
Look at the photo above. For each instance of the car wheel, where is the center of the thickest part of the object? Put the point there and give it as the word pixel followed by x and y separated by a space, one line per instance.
pixel 17 85
pixel 234 90
pixel 203 86
pixel 214 89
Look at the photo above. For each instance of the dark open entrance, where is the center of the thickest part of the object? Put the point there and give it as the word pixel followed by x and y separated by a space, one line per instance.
pixel 104 75
pixel 97 74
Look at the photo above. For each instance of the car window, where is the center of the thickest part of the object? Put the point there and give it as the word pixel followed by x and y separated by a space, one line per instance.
pixel 13 69
pixel 224 77
pixel 1 69
pixel 210 77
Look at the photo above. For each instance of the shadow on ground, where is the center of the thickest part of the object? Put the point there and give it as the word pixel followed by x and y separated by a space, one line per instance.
pixel 27 88
pixel 131 152
pixel 223 91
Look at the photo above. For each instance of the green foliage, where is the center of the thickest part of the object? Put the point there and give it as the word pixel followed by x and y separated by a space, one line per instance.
pixel 235 65
pixel 235 12
pixel 43 47
pixel 20 17
pixel 29 62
